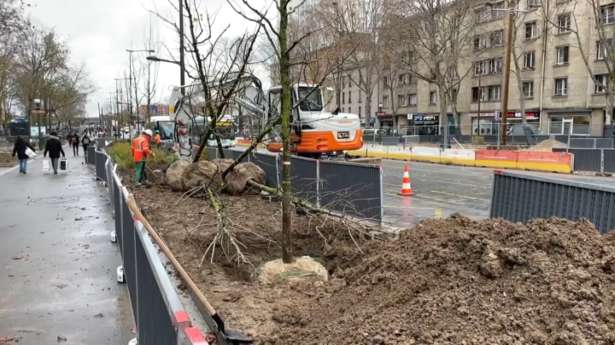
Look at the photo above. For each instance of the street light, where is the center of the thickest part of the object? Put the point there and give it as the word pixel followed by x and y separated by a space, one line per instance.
pixel 157 59
pixel 509 31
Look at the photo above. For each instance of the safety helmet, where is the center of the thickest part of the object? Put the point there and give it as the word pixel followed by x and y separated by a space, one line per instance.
pixel 148 132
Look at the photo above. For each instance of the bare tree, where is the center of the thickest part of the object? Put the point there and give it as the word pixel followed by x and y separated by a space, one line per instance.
pixel 435 36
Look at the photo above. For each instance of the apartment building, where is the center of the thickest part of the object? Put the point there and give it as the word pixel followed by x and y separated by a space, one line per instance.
pixel 553 81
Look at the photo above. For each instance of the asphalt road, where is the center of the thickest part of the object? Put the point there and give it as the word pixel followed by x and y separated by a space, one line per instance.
pixel 57 265
pixel 440 190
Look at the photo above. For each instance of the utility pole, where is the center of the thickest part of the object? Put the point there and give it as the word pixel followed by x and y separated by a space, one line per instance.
pixel 509 43
pixel 480 96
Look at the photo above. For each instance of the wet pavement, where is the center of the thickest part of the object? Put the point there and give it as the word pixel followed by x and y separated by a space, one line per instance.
pixel 440 190
pixel 57 265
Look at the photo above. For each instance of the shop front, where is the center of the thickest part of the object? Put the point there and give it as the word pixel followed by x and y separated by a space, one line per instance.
pixel 570 123
pixel 489 122
pixel 428 124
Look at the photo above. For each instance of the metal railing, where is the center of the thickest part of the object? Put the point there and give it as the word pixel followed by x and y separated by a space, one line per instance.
pixel 518 197
pixel 158 312
pixel 325 183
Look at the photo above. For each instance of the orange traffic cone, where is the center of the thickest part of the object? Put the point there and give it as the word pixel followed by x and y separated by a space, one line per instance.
pixel 406 185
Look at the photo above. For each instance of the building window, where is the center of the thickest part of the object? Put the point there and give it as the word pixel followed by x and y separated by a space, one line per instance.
pixel 343 82
pixel 343 97
pixel 385 101
pixel 607 14
pixel 489 66
pixel 561 86
pixel 476 42
pixel 349 96
pixel 488 13
pixel 602 48
pixel 360 97
pixel 433 97
pixel 529 60
pixel 496 38
pixel 562 55
pixel 350 110
pixel 534 3
pixel 528 89
pixel 563 23
pixel 490 93
pixel 386 81
pixel 412 100
pixel 401 100
pixel 359 111
pixel 531 30
pixel 600 83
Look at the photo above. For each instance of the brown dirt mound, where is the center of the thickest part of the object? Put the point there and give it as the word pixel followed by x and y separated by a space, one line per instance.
pixel 457 281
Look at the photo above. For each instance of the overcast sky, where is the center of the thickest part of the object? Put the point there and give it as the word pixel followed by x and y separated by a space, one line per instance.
pixel 99 32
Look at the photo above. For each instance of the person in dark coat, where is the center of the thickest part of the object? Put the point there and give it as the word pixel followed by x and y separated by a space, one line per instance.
pixel 85 142
pixel 20 150
pixel 74 142
pixel 54 147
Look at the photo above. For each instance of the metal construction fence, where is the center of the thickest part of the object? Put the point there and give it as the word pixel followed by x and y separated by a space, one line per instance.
pixel 90 157
pixel 158 312
pixel 350 188
pixel 519 197
pixel 592 159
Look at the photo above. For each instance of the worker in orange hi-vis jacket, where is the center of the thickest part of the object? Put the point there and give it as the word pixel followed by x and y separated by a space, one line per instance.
pixel 140 151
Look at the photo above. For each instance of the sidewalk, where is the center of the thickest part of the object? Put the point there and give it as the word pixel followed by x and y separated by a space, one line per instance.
pixel 57 273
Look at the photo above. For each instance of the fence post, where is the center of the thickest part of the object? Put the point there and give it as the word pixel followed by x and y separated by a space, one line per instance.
pixel 136 313
pixel 602 161
pixel 381 194
pixel 318 183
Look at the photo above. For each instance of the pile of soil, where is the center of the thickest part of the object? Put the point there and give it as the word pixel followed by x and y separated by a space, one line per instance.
pixel 188 226
pixel 458 281
pixel 548 145
pixel 453 281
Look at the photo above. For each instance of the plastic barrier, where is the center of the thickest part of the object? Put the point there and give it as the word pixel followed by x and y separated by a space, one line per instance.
pixel 499 159
pixel 426 154
pixel 458 157
pixel 545 161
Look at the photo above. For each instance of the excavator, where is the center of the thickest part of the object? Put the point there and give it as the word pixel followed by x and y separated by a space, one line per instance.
pixel 315 131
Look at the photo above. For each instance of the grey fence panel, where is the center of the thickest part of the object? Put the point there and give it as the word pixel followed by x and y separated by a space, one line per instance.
pixel 304 177
pixel 604 143
pixel 91 155
pixel 586 159
pixel 117 213
pixel 350 188
pixel 212 153
pixel 519 198
pixel 609 161
pixel 391 140
pixel 235 154
pixel 268 163
pixel 582 143
pixel 156 298
pixel 100 161
pixel 128 254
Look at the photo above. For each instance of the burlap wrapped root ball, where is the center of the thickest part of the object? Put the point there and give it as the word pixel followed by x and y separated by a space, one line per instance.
pixel 200 174
pixel 237 179
pixel 175 175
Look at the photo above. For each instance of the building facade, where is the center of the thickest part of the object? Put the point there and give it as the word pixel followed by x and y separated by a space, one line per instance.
pixel 556 78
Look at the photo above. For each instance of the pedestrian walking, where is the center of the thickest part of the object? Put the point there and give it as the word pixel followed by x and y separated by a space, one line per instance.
pixel 20 148
pixel 140 151
pixel 74 142
pixel 85 142
pixel 54 147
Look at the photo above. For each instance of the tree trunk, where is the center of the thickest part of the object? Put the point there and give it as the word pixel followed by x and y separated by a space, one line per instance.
pixel 286 109
pixel 443 115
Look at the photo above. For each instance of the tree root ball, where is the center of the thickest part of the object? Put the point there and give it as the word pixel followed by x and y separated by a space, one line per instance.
pixel 183 176
pixel 303 268
pixel 175 175
pixel 237 179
